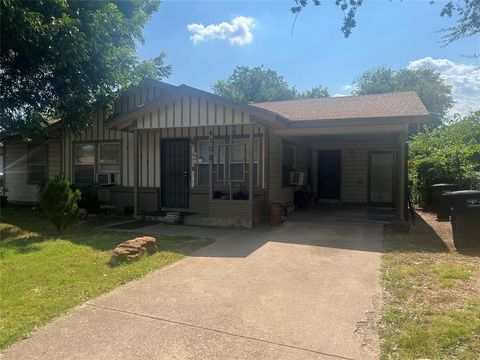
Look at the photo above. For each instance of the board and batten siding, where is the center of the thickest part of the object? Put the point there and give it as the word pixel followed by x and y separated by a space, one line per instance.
pixel 148 145
pixel 190 111
pixel 277 192
pixel 354 167
pixel 97 133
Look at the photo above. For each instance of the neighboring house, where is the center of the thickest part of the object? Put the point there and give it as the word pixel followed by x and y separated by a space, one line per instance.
pixel 177 147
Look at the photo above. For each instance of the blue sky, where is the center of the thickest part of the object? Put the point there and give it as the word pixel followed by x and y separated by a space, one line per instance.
pixel 316 53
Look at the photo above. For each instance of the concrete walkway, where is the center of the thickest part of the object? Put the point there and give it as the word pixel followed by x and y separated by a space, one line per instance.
pixel 305 290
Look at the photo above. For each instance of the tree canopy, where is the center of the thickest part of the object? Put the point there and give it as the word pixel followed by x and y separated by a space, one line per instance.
pixel 61 59
pixel 258 84
pixel 467 13
pixel 429 86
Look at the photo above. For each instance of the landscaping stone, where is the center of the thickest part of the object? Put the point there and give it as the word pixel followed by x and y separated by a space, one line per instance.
pixel 134 249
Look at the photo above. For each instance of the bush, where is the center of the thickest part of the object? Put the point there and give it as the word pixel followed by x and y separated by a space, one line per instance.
pixel 89 200
pixel 448 154
pixel 58 202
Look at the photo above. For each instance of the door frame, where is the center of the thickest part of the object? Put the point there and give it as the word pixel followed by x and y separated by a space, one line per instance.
pixel 394 177
pixel 331 200
pixel 187 140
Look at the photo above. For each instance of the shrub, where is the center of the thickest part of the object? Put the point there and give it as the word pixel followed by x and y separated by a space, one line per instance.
pixel 448 154
pixel 58 202
pixel 89 200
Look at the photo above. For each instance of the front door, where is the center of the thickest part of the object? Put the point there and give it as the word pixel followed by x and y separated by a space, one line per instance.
pixel 381 177
pixel 175 173
pixel 329 170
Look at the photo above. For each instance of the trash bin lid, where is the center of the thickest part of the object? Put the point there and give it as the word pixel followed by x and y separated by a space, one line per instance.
pixel 443 185
pixel 475 193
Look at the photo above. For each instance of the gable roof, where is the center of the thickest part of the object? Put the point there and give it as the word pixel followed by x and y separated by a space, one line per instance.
pixel 397 104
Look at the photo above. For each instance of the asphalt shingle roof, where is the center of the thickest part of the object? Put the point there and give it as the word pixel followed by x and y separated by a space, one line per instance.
pixel 397 104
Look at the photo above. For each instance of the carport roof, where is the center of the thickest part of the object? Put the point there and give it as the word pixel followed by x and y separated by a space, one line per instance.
pixel 397 104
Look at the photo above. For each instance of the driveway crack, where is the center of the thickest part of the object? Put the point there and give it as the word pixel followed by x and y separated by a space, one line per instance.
pixel 181 323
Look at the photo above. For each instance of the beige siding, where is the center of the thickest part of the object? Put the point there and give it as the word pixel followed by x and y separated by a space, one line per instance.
pixel 16 173
pixel 54 159
pixel 191 111
pixel 354 167
pixel 149 146
pixel 354 176
pixel 278 193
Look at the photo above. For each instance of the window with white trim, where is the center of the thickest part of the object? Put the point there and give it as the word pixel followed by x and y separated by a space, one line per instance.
pixel 84 163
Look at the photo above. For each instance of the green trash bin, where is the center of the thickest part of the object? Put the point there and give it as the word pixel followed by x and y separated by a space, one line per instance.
pixel 441 204
pixel 465 218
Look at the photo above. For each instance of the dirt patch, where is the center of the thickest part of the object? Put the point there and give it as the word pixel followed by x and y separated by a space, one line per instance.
pixel 443 229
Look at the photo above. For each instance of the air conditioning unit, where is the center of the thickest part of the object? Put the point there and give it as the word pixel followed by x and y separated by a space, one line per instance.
pixel 106 178
pixel 297 178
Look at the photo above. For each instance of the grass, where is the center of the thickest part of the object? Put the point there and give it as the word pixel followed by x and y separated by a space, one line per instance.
pixel 42 276
pixel 432 298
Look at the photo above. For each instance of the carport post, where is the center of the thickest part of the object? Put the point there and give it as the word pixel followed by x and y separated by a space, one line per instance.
pixel 402 162
pixel 251 149
pixel 135 172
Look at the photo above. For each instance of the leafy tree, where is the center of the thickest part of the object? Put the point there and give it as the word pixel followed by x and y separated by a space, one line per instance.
pixel 260 84
pixel 427 83
pixel 59 203
pixel 466 11
pixel 313 93
pixel 61 59
pixel 448 154
pixel 255 84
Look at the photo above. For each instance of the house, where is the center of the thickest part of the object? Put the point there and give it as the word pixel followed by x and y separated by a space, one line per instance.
pixel 177 147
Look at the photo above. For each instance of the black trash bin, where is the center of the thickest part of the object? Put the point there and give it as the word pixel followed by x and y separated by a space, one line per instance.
pixel 441 204
pixel 465 218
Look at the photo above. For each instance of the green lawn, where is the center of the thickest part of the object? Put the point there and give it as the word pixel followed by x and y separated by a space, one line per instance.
pixel 432 298
pixel 43 276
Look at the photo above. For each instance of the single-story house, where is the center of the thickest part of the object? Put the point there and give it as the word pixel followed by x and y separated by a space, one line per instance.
pixel 178 147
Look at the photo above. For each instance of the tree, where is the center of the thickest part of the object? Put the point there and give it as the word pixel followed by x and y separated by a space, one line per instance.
pixel 59 203
pixel 260 84
pixel 61 59
pixel 255 84
pixel 448 154
pixel 427 83
pixel 466 11
pixel 313 93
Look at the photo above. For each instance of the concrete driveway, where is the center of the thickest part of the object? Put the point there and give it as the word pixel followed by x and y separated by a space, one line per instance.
pixel 306 290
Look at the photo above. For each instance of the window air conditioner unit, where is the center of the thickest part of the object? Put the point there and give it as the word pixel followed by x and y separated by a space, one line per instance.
pixel 106 178
pixel 297 178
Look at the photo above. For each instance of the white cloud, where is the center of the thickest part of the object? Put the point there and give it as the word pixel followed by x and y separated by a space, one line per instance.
pixel 339 95
pixel 347 87
pixel 237 32
pixel 464 79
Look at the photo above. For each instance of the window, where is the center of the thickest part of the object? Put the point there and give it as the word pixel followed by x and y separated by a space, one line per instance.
pixel 84 163
pixel 37 164
pixel 202 161
pixel 238 159
pixel 244 154
pixel 109 157
pixel 289 154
